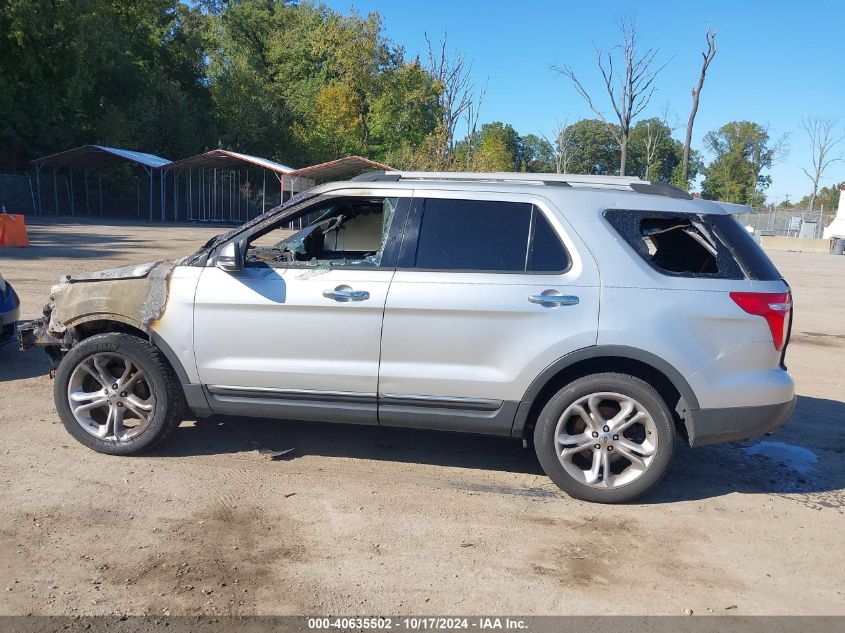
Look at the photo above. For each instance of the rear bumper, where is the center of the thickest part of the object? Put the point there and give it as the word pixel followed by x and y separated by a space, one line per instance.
pixel 713 426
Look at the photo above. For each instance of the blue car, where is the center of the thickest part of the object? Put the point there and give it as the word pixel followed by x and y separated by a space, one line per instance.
pixel 10 310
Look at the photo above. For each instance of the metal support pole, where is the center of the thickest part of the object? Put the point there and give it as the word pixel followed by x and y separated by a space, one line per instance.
pixel 69 187
pixel 151 193
pixel 264 191
pixel 87 196
pixel 190 194
pixel 55 191
pixel 38 186
pixel 32 193
pixel 100 190
pixel 69 183
pixel 161 180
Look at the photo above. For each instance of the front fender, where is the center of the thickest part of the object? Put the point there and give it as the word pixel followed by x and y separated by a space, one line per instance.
pixel 135 301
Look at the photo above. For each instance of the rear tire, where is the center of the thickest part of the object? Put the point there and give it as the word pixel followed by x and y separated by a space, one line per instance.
pixel 606 437
pixel 117 394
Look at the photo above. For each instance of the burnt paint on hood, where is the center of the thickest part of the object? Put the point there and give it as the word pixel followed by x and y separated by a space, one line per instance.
pixel 137 271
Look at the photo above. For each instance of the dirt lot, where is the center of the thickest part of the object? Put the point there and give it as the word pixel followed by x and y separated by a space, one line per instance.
pixel 365 520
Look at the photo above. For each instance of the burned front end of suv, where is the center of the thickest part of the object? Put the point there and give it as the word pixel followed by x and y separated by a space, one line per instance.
pixel 131 298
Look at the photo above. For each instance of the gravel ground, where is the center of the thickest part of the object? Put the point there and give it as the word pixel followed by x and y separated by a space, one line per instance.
pixel 369 520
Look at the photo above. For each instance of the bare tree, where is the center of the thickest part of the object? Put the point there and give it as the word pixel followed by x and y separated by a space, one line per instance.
pixel 764 155
pixel 563 146
pixel 629 93
pixel 454 75
pixel 708 56
pixel 471 114
pixel 823 139
pixel 657 130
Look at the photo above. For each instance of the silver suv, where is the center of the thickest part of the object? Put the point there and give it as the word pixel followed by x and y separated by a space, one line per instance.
pixel 593 316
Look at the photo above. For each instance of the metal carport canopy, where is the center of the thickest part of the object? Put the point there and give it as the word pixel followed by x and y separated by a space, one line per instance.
pixel 99 156
pixel 338 169
pixel 223 158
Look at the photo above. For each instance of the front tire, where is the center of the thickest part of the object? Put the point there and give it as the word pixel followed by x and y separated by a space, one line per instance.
pixel 607 438
pixel 117 394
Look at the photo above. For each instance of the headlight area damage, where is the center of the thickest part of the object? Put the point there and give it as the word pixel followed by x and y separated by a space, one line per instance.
pixel 133 296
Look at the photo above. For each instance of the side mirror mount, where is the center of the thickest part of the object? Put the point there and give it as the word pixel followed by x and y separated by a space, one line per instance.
pixel 231 257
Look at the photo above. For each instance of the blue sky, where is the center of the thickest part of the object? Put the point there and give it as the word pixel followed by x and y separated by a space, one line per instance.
pixel 778 61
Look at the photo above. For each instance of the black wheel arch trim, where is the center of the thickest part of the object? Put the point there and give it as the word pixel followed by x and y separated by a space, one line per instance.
pixel 195 396
pixel 157 340
pixel 603 351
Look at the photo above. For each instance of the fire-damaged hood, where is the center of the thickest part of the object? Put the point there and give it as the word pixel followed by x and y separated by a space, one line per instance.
pixel 138 271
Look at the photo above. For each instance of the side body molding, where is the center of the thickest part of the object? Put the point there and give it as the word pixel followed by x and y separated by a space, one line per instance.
pixel 597 352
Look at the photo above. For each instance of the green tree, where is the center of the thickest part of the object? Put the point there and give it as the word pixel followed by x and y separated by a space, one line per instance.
pixel 85 71
pixel 653 153
pixel 406 112
pixel 590 148
pixel 356 55
pixel 248 87
pixel 304 84
pixel 495 147
pixel 537 154
pixel 742 150
pixel 337 117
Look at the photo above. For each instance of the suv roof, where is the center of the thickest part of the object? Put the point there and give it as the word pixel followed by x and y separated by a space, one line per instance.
pixel 626 183
pixel 626 187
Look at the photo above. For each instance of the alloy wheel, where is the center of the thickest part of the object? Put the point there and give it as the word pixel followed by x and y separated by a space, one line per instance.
pixel 606 440
pixel 110 397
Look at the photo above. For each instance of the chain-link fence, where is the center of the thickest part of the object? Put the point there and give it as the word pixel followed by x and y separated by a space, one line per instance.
pixel 230 196
pixel 786 222
pixel 17 193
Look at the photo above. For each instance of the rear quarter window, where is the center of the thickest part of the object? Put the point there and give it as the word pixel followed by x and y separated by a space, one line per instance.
pixel 693 245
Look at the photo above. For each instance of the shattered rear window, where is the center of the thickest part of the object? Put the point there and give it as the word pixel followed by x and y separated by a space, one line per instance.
pixel 680 244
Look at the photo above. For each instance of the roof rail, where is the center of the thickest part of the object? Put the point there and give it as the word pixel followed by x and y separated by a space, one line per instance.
pixel 503 176
pixel 631 183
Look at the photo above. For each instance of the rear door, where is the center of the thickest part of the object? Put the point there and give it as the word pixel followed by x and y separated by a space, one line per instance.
pixel 490 289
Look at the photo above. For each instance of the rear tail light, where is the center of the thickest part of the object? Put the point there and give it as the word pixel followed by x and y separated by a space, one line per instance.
pixel 772 306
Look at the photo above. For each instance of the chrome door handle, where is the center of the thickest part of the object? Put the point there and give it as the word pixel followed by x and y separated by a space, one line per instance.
pixel 345 294
pixel 553 300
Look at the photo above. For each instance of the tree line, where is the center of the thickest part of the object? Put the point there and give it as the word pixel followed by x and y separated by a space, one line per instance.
pixel 301 84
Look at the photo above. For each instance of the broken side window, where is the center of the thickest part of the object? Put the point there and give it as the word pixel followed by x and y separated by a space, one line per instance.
pixel 343 232
pixel 679 244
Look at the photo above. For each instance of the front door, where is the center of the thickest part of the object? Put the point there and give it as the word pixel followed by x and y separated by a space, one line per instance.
pixel 296 333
